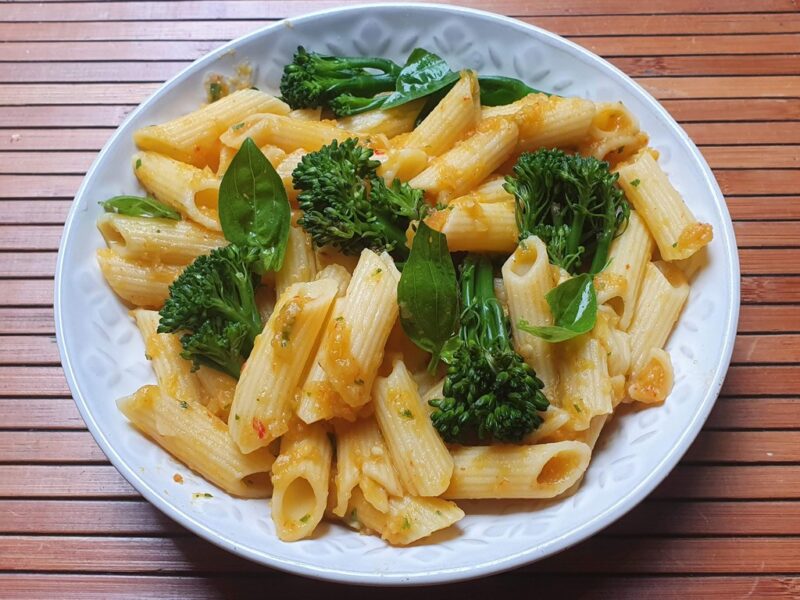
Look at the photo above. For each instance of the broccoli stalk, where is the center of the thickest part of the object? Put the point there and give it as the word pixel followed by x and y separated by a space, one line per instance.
pixel 489 391
pixel 347 205
pixel 572 203
pixel 213 301
pixel 313 79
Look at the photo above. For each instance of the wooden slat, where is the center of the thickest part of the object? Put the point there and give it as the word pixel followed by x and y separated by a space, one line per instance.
pixel 764 208
pixel 28 350
pixel 86 517
pixel 27 264
pixel 273 9
pixel 42 350
pixel 685 482
pixel 26 320
pixel 13 94
pixel 737 182
pixel 689 44
pixel 33 211
pixel 38 481
pixel 113 517
pixel 710 518
pixel 49 447
pixel 121 71
pixel 599 555
pixel 770 289
pixel 668 555
pixel 752 156
pixel 79 51
pixel 767 318
pixel 38 413
pixel 755 413
pixel 743 447
pixel 719 157
pixel 766 234
pixel 767 348
pixel 710 447
pixel 730 483
pixel 761 380
pixel 741 380
pixel 102 587
pixel 729 135
pixel 33 381
pixel 756 109
pixel 771 132
pixel 21 292
pixel 62 139
pixel 30 237
pixel 768 261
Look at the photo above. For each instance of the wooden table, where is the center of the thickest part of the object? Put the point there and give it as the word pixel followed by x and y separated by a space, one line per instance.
pixel 725 523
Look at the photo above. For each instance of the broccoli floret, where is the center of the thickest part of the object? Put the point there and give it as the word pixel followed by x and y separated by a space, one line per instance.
pixel 572 203
pixel 489 392
pixel 213 302
pixel 313 79
pixel 347 205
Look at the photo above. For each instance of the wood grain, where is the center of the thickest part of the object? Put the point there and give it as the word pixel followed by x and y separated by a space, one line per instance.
pixel 724 524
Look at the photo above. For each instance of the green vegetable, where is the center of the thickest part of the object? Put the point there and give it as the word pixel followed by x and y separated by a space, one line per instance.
pixel 573 305
pixel 424 74
pixel 347 205
pixel 572 203
pixel 213 303
pixel 428 293
pixel 254 209
pixel 313 79
pixel 346 86
pixel 137 206
pixel 499 91
pixel 489 391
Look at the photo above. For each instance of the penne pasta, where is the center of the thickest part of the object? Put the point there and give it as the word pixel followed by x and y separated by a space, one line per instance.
pixel 163 350
pixel 157 240
pixel 539 471
pixel 262 403
pixel 475 226
pixel 191 191
pixel 138 282
pixel 194 138
pixel 417 451
pixel 454 117
pixel 470 161
pixel 200 440
pixel 285 133
pixel 527 279
pixel 300 478
pixel 363 460
pixel 676 231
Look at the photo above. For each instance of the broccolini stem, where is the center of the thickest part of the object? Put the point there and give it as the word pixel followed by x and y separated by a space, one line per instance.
pixel 469 318
pixel 492 317
pixel 604 240
pixel 367 62
pixel 362 86
pixel 576 229
pixel 395 234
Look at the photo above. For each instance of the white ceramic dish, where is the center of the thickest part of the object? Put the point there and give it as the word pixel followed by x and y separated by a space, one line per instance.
pixel 103 357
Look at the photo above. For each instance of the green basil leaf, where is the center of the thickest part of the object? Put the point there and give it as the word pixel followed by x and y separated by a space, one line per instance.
pixel 137 206
pixel 573 305
pixel 253 207
pixel 427 293
pixel 423 74
pixel 499 91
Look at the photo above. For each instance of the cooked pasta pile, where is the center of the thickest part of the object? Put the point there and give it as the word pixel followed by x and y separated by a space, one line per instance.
pixel 329 415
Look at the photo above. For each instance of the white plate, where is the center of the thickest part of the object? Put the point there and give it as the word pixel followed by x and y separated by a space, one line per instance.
pixel 103 356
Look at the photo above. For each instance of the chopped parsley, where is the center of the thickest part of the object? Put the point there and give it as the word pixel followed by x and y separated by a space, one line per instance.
pixel 237 126
pixel 635 182
pixel 406 523
pixel 138 163
pixel 305 518
pixel 184 404
pixel 406 413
